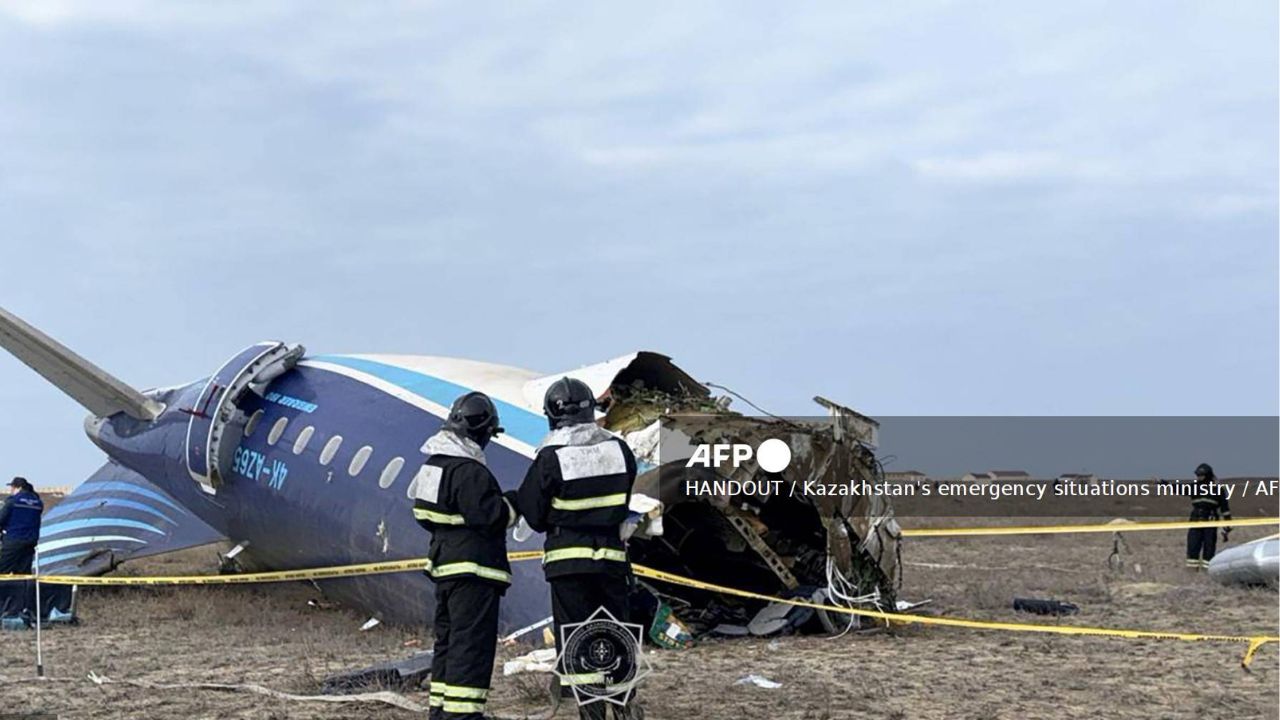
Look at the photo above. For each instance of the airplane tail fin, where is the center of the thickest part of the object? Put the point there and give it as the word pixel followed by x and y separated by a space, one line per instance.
pixel 98 391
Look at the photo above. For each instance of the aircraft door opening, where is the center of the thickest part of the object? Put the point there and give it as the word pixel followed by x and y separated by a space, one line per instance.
pixel 217 423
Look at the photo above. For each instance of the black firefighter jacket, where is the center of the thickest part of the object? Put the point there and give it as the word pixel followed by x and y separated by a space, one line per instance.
pixel 459 500
pixel 577 491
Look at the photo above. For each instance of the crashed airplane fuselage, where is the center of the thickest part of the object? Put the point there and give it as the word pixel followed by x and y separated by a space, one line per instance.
pixel 310 461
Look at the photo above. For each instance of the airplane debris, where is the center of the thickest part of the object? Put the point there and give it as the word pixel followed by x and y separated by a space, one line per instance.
pixel 1045 607
pixel 759 681
pixel 771 620
pixel 228 564
pixel 668 631
pixel 834 623
pixel 729 630
pixel 517 634
pixel 398 675
pixel 904 606
pixel 388 698
pixel 770 543
pixel 536 661
pixel 370 624
pixel 1252 563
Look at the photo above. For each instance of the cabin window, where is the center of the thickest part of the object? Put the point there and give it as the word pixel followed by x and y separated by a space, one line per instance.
pixel 277 430
pixel 304 437
pixel 252 425
pixel 390 472
pixel 357 462
pixel 330 449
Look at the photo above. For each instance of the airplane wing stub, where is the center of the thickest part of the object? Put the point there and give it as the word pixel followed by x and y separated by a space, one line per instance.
pixel 96 390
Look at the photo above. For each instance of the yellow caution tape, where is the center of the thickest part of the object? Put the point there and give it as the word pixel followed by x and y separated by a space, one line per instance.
pixel 395 566
pixel 339 571
pixel 346 571
pixel 325 573
pixel 1254 642
pixel 1120 526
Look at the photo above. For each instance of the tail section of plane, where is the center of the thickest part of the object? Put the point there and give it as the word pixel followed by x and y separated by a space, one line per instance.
pixel 114 516
pixel 98 391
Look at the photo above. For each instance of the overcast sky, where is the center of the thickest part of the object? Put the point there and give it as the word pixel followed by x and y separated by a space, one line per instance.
pixel 912 208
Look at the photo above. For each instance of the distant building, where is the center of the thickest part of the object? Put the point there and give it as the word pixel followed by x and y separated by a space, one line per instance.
pixel 981 477
pixel 1078 478
pixel 1009 475
pixel 907 477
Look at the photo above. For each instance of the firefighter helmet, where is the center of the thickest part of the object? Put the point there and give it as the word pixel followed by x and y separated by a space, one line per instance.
pixel 1204 470
pixel 474 416
pixel 569 402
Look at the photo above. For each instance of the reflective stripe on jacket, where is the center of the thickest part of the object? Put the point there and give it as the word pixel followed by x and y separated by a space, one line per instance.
pixel 577 491
pixel 460 502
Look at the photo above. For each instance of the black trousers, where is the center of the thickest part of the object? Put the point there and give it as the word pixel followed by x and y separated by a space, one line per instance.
pixel 1202 545
pixel 16 557
pixel 574 598
pixel 466 629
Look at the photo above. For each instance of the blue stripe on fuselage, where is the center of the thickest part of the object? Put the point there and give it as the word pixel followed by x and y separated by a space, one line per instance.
pixel 67 525
pixel 69 508
pixel 46 562
pixel 128 487
pixel 527 427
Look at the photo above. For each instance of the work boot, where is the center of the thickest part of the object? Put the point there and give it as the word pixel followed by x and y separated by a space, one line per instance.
pixel 631 711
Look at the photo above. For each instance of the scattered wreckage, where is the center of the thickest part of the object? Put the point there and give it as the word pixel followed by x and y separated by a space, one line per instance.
pixel 1252 563
pixel 770 536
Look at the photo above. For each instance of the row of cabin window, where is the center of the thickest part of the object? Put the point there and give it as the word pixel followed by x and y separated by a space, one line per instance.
pixel 330 449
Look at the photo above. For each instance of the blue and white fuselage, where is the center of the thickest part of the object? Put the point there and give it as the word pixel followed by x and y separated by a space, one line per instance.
pixel 322 474
pixel 305 461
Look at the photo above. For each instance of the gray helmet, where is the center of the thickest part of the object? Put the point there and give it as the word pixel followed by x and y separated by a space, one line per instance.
pixel 569 402
pixel 1204 470
pixel 474 416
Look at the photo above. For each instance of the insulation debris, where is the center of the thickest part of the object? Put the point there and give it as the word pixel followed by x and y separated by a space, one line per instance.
pixel 537 661
pixel 759 681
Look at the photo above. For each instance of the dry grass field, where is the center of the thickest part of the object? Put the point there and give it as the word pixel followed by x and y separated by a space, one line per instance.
pixel 268 635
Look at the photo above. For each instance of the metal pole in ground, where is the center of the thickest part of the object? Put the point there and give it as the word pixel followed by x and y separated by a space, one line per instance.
pixel 39 619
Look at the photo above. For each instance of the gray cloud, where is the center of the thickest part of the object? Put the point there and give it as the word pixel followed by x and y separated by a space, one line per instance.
pixel 929 208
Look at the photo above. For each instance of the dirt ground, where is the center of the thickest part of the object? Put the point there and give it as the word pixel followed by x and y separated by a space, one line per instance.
pixel 268 635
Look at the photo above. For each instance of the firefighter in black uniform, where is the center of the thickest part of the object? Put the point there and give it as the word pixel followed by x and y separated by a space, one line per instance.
pixel 1209 502
pixel 459 501
pixel 577 491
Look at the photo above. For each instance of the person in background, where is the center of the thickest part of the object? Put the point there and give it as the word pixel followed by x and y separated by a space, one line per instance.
pixel 459 501
pixel 20 523
pixel 1209 502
